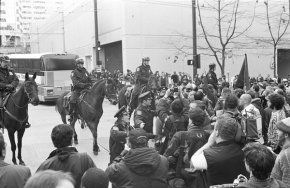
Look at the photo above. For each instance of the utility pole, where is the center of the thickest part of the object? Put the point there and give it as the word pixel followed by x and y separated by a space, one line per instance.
pixel 38 40
pixel 63 32
pixel 194 50
pixel 96 30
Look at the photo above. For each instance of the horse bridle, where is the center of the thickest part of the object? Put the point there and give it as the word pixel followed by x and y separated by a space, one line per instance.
pixel 14 117
pixel 106 89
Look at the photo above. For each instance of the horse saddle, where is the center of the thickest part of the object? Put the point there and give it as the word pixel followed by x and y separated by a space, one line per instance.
pixel 66 99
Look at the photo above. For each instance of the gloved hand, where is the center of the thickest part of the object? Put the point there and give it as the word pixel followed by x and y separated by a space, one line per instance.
pixel 10 86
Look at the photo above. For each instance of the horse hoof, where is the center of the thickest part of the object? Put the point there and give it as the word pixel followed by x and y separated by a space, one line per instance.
pixel 22 163
pixel 96 152
pixel 82 126
pixel 76 142
pixel 14 162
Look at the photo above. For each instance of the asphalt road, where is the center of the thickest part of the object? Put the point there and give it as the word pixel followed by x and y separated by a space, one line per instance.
pixel 37 143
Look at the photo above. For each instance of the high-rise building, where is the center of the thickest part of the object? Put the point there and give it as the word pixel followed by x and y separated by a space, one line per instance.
pixel 17 17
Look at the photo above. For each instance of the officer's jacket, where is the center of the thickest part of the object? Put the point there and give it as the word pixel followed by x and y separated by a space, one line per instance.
pixel 80 78
pixel 7 76
pixel 142 74
pixel 143 115
pixel 117 139
pixel 212 78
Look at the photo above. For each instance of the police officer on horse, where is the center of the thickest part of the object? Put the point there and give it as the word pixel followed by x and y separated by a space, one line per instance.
pixel 8 84
pixel 211 76
pixel 142 74
pixel 81 81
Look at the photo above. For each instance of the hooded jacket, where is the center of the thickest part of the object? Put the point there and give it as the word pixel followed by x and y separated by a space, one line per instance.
pixel 142 168
pixel 68 160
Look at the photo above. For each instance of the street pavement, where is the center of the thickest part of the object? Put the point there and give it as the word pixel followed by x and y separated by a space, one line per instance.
pixel 37 143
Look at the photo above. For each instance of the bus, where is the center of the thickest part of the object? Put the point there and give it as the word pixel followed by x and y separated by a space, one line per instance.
pixel 53 72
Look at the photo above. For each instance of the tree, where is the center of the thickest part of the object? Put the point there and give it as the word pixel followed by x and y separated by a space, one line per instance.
pixel 280 28
pixel 228 27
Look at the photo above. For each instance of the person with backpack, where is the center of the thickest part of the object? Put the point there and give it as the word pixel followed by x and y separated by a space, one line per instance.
pixel 182 141
pixel 252 120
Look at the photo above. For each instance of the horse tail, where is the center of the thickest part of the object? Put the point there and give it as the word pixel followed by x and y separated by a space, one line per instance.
pixel 59 102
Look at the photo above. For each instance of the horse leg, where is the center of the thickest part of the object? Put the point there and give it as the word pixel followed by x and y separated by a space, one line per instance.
pixel 63 116
pixel 13 145
pixel 94 129
pixel 72 124
pixel 20 134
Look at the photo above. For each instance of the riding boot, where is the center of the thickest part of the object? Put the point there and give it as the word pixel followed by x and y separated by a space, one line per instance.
pixel 72 110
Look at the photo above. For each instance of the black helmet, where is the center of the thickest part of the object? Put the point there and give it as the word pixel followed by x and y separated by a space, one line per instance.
pixel 79 61
pixel 4 58
pixel 145 59
pixel 211 66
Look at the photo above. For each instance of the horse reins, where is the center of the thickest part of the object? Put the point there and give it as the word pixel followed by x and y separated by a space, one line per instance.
pixel 14 117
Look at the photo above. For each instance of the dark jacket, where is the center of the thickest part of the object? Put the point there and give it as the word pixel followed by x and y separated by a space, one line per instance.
pixel 143 114
pixel 269 183
pixel 7 76
pixel 117 140
pixel 80 79
pixel 13 176
pixel 68 160
pixel 258 104
pixel 212 79
pixel 140 168
pixel 224 162
pixel 142 74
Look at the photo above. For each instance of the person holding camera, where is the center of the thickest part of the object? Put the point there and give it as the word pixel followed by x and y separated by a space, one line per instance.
pixel 81 81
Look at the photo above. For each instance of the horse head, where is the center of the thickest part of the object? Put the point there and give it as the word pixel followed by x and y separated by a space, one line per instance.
pixel 31 89
pixel 111 90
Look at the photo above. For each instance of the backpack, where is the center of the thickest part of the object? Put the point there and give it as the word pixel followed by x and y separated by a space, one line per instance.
pixel 178 124
pixel 252 127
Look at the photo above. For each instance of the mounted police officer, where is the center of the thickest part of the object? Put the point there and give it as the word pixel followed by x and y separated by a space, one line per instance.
pixel 211 76
pixel 142 74
pixel 8 83
pixel 81 81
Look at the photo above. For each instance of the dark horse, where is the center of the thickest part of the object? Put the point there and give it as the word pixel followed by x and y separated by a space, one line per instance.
pixel 16 113
pixel 125 94
pixel 90 107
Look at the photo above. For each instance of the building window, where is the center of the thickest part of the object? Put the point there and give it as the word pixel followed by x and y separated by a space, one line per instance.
pixel 2 11
pixel 2 19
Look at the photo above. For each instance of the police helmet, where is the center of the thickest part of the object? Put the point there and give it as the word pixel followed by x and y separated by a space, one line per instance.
pixel 211 66
pixel 4 58
pixel 145 59
pixel 79 61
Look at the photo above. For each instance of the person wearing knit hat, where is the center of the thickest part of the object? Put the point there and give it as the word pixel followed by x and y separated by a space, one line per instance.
pixel 95 178
pixel 281 169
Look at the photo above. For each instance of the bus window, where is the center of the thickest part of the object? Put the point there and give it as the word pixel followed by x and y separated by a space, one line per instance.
pixel 36 65
pixel 59 64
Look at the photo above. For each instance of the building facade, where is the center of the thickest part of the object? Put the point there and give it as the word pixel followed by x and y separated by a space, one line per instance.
pixel 162 30
pixel 17 18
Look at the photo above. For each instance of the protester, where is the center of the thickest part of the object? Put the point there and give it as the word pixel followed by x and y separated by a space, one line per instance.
pixel 276 103
pixel 50 179
pixel 11 176
pixel 221 156
pixel 141 167
pixel 281 170
pixel 95 178
pixel 65 157
pixel 259 161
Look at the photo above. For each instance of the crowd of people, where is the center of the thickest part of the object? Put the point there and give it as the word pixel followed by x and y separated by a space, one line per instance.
pixel 198 134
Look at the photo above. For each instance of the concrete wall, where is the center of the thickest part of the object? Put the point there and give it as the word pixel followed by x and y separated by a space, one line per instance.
pixel 157 28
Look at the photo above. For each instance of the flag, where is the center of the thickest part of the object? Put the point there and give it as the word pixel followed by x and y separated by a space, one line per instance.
pixel 243 79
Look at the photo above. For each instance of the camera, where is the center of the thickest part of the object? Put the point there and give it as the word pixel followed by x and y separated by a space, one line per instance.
pixel 175 89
